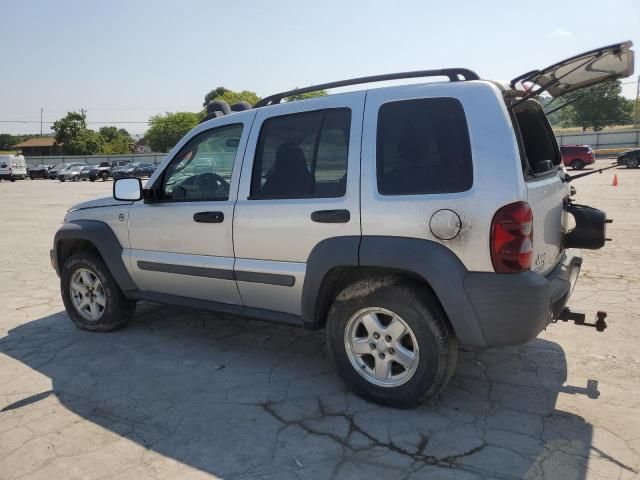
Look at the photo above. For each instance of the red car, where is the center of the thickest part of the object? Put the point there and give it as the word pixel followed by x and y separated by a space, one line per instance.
pixel 577 156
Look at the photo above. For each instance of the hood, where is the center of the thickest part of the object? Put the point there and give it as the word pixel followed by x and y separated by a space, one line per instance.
pixel 97 203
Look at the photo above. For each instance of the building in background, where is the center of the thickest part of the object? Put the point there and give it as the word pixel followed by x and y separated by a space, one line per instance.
pixel 140 146
pixel 38 146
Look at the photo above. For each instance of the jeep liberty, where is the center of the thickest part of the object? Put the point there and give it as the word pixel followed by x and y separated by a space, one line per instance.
pixel 404 220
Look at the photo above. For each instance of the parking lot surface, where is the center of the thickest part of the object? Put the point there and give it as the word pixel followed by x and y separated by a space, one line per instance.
pixel 182 394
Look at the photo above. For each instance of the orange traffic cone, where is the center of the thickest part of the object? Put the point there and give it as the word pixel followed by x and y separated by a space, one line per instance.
pixel 615 179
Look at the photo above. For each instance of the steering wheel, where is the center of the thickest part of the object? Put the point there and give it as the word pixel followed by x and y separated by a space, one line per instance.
pixel 210 184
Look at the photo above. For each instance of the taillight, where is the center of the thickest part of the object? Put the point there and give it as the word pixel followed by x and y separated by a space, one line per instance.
pixel 512 238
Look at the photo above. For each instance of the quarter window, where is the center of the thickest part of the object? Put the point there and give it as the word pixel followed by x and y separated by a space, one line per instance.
pixel 302 155
pixel 423 147
pixel 202 169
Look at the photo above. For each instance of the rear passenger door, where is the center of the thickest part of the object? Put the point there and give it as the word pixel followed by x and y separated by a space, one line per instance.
pixel 299 185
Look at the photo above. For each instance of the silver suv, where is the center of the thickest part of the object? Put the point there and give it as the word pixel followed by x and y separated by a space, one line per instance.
pixel 405 220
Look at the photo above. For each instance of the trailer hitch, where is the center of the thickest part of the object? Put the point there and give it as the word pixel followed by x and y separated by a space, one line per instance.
pixel 567 315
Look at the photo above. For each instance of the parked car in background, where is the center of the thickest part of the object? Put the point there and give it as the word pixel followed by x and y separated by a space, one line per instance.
pixel 59 168
pixel 73 174
pixel 630 158
pixel 139 170
pixel 39 171
pixel 103 171
pixel 12 167
pixel 84 173
pixel 577 156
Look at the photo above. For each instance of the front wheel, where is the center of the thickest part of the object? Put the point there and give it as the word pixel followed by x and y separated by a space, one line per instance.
pixel 91 295
pixel 391 342
pixel 104 176
pixel 633 162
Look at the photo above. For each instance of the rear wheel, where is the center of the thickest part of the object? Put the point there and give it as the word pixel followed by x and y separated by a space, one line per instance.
pixel 104 176
pixel 391 342
pixel 577 164
pixel 633 162
pixel 91 296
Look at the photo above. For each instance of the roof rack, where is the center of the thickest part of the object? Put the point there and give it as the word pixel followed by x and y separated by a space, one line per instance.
pixel 454 75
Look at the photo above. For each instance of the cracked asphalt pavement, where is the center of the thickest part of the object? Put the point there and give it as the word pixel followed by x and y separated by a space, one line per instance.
pixel 182 394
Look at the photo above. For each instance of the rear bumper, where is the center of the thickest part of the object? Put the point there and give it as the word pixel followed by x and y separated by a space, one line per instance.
pixel 512 309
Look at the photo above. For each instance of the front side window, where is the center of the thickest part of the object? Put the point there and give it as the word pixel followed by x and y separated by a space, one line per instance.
pixel 202 169
pixel 303 155
pixel 423 147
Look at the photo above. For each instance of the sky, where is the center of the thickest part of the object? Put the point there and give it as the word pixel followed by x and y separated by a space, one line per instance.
pixel 124 61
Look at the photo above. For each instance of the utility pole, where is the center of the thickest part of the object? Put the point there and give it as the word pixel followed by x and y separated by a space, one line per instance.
pixel 636 107
pixel 41 109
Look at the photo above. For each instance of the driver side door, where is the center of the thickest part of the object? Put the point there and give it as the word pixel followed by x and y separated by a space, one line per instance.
pixel 181 244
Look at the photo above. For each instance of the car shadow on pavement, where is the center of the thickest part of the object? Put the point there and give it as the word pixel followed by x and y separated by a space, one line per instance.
pixel 245 399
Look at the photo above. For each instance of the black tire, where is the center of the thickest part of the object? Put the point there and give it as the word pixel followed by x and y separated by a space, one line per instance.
pixel 118 309
pixel 12 179
pixel 577 164
pixel 104 176
pixel 62 179
pixel 633 162
pixel 422 312
pixel 92 179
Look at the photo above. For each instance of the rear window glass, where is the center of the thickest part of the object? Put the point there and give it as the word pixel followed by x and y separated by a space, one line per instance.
pixel 423 147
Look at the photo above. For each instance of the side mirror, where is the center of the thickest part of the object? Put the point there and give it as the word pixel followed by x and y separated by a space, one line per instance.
pixel 127 189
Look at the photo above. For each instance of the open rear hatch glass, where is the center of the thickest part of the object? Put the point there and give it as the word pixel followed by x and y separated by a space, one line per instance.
pixel 584 70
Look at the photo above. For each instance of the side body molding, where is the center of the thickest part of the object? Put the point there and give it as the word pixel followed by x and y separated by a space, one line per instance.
pixel 105 241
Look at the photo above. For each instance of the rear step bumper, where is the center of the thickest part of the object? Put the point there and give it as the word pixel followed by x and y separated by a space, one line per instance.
pixel 512 309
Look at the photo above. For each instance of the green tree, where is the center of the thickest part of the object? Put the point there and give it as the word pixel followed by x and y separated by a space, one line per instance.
pixel 116 141
pixel 231 97
pixel 166 130
pixel 601 105
pixel 304 96
pixel 74 136
pixel 87 142
pixel 69 128
pixel 7 141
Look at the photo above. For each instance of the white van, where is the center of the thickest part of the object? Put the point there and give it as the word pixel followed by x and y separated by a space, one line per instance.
pixel 12 167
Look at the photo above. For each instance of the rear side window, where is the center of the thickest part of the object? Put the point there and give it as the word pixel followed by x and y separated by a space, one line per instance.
pixel 303 155
pixel 537 142
pixel 423 147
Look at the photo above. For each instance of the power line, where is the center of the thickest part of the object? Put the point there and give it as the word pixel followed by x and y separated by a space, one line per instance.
pixel 38 121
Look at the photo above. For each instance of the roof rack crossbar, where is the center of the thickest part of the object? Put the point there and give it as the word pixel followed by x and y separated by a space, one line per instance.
pixel 454 75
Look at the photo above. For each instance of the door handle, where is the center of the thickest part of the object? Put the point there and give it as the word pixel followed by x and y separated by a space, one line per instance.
pixel 331 216
pixel 208 217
